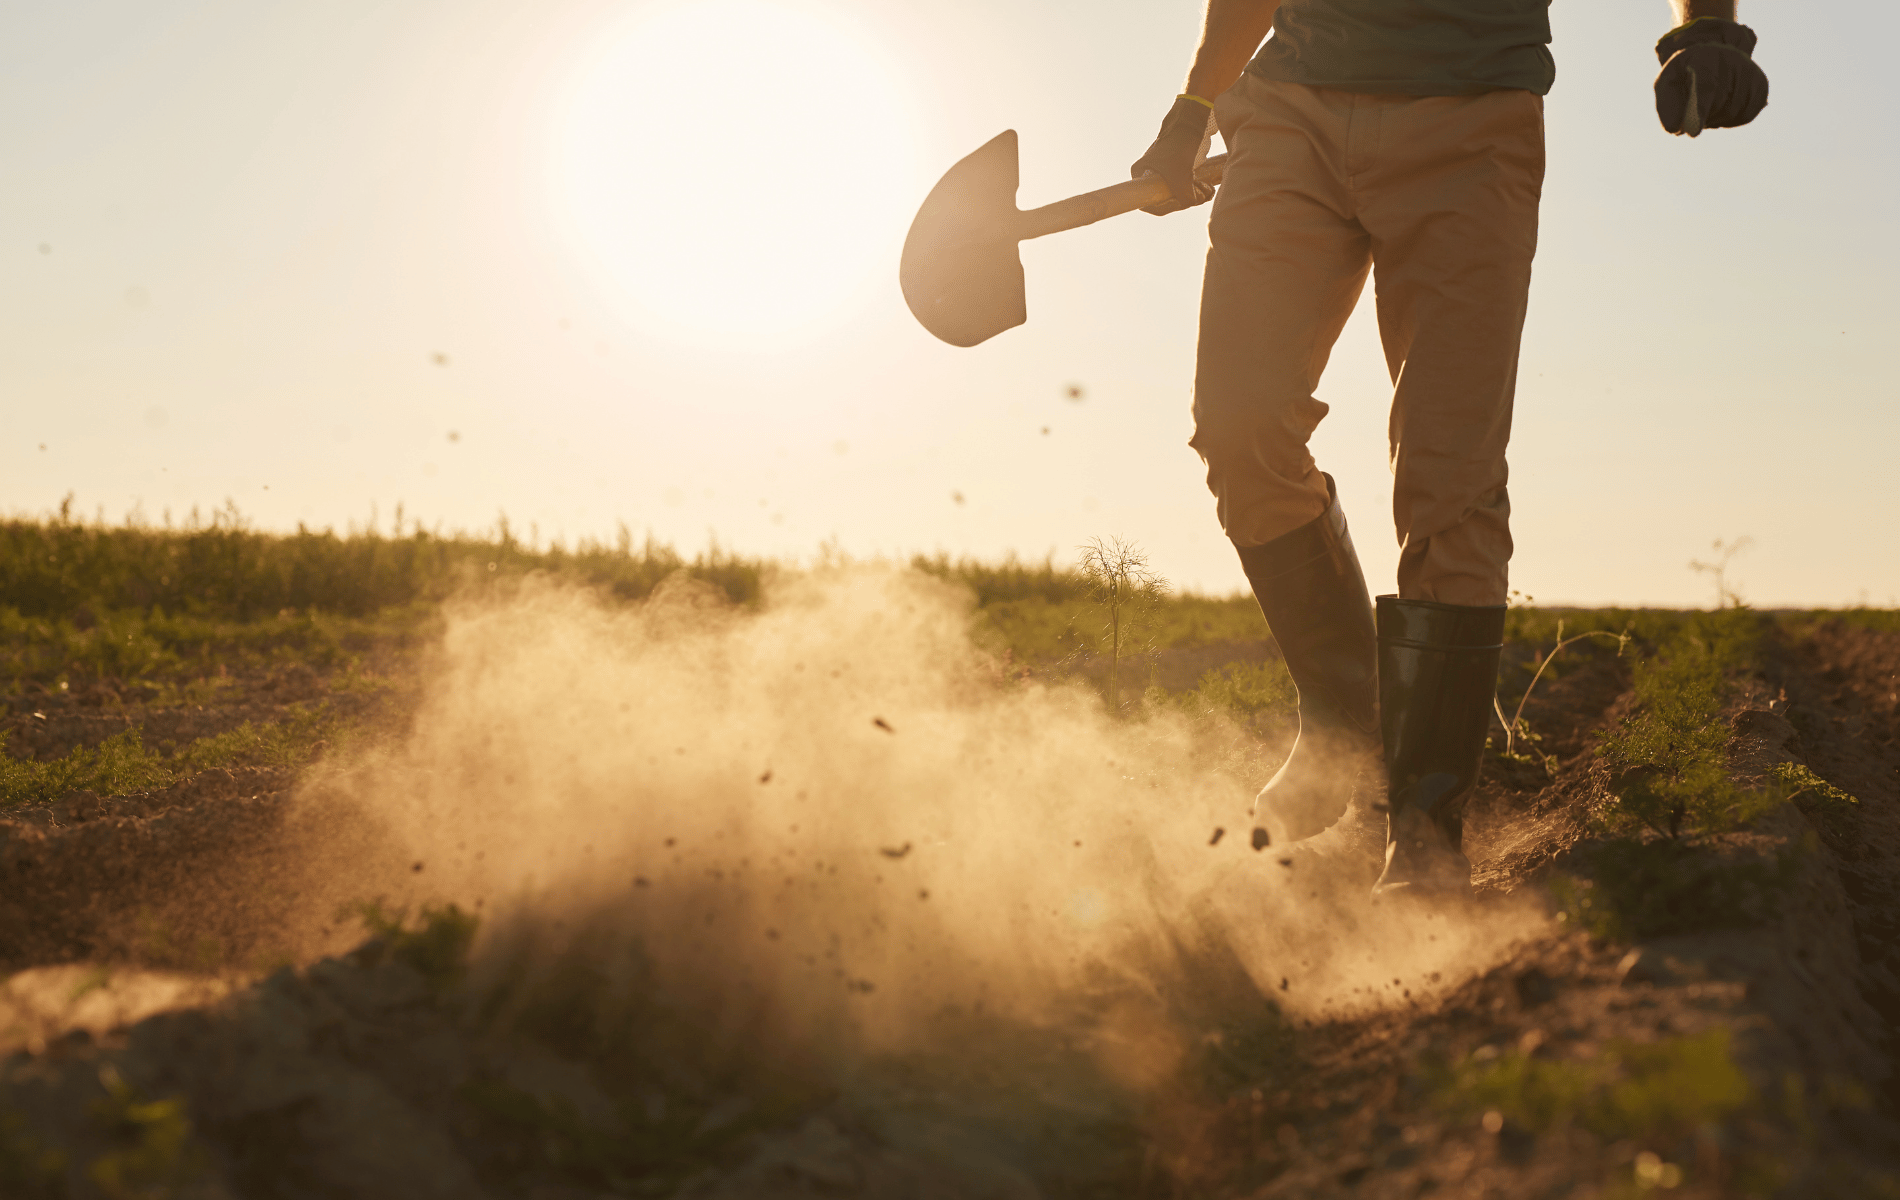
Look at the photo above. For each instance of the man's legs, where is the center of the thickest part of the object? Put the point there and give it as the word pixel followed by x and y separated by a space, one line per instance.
pixel 1452 209
pixel 1285 267
pixel 1450 197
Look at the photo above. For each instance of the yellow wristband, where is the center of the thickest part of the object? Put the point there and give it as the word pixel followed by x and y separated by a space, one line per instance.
pixel 1207 104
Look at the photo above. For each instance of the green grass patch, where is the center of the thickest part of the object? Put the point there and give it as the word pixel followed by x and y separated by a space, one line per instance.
pixel 1651 1093
pixel 1671 755
pixel 218 566
pixel 122 764
pixel 292 742
pixel 174 654
pixel 1880 620
pixel 154 1153
pixel 1039 629
pixel 1244 690
pixel 1010 581
pixel 1645 888
pixel 1815 795
pixel 436 944
pixel 117 766
pixel 1656 869
pixel 139 602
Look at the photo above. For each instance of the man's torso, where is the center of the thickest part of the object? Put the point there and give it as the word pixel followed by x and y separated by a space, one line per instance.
pixel 1412 47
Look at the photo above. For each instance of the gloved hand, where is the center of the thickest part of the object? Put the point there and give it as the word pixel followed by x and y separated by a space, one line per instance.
pixel 1708 59
pixel 1177 150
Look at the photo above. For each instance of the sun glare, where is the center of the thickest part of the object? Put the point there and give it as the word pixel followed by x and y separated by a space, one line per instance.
pixel 734 172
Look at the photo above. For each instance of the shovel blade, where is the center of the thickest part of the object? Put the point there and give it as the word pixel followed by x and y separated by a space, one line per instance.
pixel 960 271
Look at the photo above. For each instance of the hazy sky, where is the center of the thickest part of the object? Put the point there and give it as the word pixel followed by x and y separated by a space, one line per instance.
pixel 585 262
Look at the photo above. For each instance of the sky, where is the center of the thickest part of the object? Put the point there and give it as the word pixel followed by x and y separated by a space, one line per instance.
pixel 586 262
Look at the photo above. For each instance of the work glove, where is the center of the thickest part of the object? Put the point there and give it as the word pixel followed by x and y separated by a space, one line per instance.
pixel 1177 150
pixel 1708 80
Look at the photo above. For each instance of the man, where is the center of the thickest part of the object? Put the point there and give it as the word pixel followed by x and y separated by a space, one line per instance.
pixel 1400 138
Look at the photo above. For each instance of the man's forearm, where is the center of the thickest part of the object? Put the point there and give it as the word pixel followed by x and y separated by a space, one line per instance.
pixel 1232 32
pixel 1689 10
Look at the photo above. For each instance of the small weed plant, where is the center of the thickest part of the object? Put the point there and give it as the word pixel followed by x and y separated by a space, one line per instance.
pixel 1118 575
pixel 1515 729
pixel 1673 796
pixel 1671 757
pixel 1726 595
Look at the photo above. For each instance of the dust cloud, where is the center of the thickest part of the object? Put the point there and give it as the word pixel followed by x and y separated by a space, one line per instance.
pixel 830 830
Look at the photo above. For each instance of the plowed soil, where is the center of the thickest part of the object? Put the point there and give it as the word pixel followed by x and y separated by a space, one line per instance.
pixel 185 1013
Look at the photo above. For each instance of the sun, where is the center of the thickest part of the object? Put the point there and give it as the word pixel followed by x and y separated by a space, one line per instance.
pixel 734 172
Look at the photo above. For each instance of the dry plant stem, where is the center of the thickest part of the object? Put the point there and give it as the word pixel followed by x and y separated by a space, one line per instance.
pixel 1119 572
pixel 1511 726
pixel 1725 596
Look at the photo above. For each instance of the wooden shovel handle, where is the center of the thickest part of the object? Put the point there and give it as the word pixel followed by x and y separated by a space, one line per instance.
pixel 1103 203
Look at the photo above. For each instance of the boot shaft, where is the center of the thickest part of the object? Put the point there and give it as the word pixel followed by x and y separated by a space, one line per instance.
pixel 1438 672
pixel 1313 595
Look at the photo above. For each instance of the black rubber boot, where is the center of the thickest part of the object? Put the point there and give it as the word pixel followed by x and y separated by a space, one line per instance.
pixel 1438 672
pixel 1313 595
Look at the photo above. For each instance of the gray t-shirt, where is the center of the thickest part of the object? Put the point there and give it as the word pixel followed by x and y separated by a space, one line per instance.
pixel 1412 47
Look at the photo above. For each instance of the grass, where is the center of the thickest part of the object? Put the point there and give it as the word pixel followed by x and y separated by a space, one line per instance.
pixel 1516 729
pixel 1682 1098
pixel 116 767
pixel 218 566
pixel 1661 1097
pixel 436 946
pixel 167 616
pixel 1671 756
pixel 1653 1094
pixel 1800 782
pixel 122 764
pixel 136 602
pixel 130 647
pixel 1243 690
pixel 1036 629
pixel 1637 889
pixel 154 1154
pixel 1659 865
pixel 199 614
pixel 30 1169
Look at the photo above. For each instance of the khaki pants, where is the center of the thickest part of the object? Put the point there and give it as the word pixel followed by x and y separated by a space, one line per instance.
pixel 1437 196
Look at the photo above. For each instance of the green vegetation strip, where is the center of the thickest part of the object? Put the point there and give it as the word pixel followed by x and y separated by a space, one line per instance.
pixel 1672 755
pixel 122 765
pixel 176 653
pixel 220 567
pixel 1662 861
pixel 1652 1093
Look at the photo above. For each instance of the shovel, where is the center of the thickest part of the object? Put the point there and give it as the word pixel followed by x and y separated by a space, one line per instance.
pixel 960 272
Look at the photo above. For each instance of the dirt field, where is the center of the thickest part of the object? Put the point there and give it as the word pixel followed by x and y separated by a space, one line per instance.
pixel 389 967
